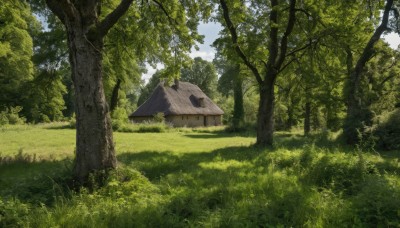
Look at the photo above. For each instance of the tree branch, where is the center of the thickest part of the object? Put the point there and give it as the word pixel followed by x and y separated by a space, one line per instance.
pixel 105 25
pixel 289 29
pixel 273 36
pixel 300 49
pixel 368 50
pixel 234 37
pixel 61 8
pixel 171 20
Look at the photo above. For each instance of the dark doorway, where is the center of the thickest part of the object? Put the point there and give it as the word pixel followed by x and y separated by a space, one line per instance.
pixel 205 121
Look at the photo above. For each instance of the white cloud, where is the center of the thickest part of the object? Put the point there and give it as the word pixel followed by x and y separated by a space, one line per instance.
pixel 151 71
pixel 206 52
pixel 206 55
pixel 393 39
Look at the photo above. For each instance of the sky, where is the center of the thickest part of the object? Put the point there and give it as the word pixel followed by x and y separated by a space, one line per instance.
pixel 206 52
pixel 211 30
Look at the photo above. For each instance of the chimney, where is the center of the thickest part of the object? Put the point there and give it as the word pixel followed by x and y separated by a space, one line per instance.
pixel 201 102
pixel 176 83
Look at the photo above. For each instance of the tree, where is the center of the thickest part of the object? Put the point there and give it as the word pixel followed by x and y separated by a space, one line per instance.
pixel 357 114
pixel 146 90
pixel 16 50
pixel 44 100
pixel 87 24
pixel 249 41
pixel 203 74
pixel 231 79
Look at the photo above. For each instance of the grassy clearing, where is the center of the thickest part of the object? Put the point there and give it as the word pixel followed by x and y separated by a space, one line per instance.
pixel 54 141
pixel 203 179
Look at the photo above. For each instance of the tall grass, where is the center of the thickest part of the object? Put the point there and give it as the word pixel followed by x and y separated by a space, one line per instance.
pixel 192 183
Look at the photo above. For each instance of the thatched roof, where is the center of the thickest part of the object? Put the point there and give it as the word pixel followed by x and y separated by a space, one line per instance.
pixel 184 99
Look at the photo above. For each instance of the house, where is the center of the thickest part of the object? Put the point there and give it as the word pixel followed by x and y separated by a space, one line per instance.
pixel 183 104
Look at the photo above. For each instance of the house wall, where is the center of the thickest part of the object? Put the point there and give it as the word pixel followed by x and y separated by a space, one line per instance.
pixel 185 120
pixel 194 120
pixel 214 120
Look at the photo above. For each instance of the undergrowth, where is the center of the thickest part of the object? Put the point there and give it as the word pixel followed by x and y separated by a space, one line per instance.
pixel 301 182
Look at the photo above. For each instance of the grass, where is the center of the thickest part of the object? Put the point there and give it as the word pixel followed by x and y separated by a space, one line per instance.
pixel 54 142
pixel 199 178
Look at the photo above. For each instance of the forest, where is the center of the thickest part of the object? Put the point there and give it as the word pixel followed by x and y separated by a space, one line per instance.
pixel 311 128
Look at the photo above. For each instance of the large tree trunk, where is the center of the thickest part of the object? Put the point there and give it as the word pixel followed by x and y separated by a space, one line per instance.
pixel 85 34
pixel 265 125
pixel 94 140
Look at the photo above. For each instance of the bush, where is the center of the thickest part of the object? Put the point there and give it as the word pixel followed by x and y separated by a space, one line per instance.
pixel 119 118
pixel 13 213
pixel 388 131
pixel 159 117
pixel 11 116
pixel 377 205
pixel 144 127
pixel 152 127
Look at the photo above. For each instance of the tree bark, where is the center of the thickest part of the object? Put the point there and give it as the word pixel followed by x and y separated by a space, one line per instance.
pixel 355 114
pixel 265 117
pixel 238 110
pixel 114 95
pixel 85 33
pixel 94 140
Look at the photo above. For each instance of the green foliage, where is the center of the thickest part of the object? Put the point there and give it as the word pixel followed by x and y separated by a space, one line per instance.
pixel 119 118
pixel 72 121
pixel 200 180
pixel 45 101
pixel 377 204
pixel 203 74
pixel 387 131
pixel 12 116
pixel 147 90
pixel 16 50
pixel 152 127
pixel 13 213
pixel 159 117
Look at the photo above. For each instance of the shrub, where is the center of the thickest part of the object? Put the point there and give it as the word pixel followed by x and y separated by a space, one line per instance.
pixel 72 121
pixel 377 205
pixel 152 127
pixel 144 127
pixel 159 117
pixel 11 116
pixel 119 118
pixel 388 131
pixel 13 213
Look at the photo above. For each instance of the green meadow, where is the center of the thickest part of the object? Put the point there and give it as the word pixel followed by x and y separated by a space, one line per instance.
pixel 198 178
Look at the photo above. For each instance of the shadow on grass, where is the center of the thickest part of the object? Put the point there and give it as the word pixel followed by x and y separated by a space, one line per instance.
pixel 155 164
pixel 242 188
pixel 208 136
pixel 230 187
pixel 34 181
